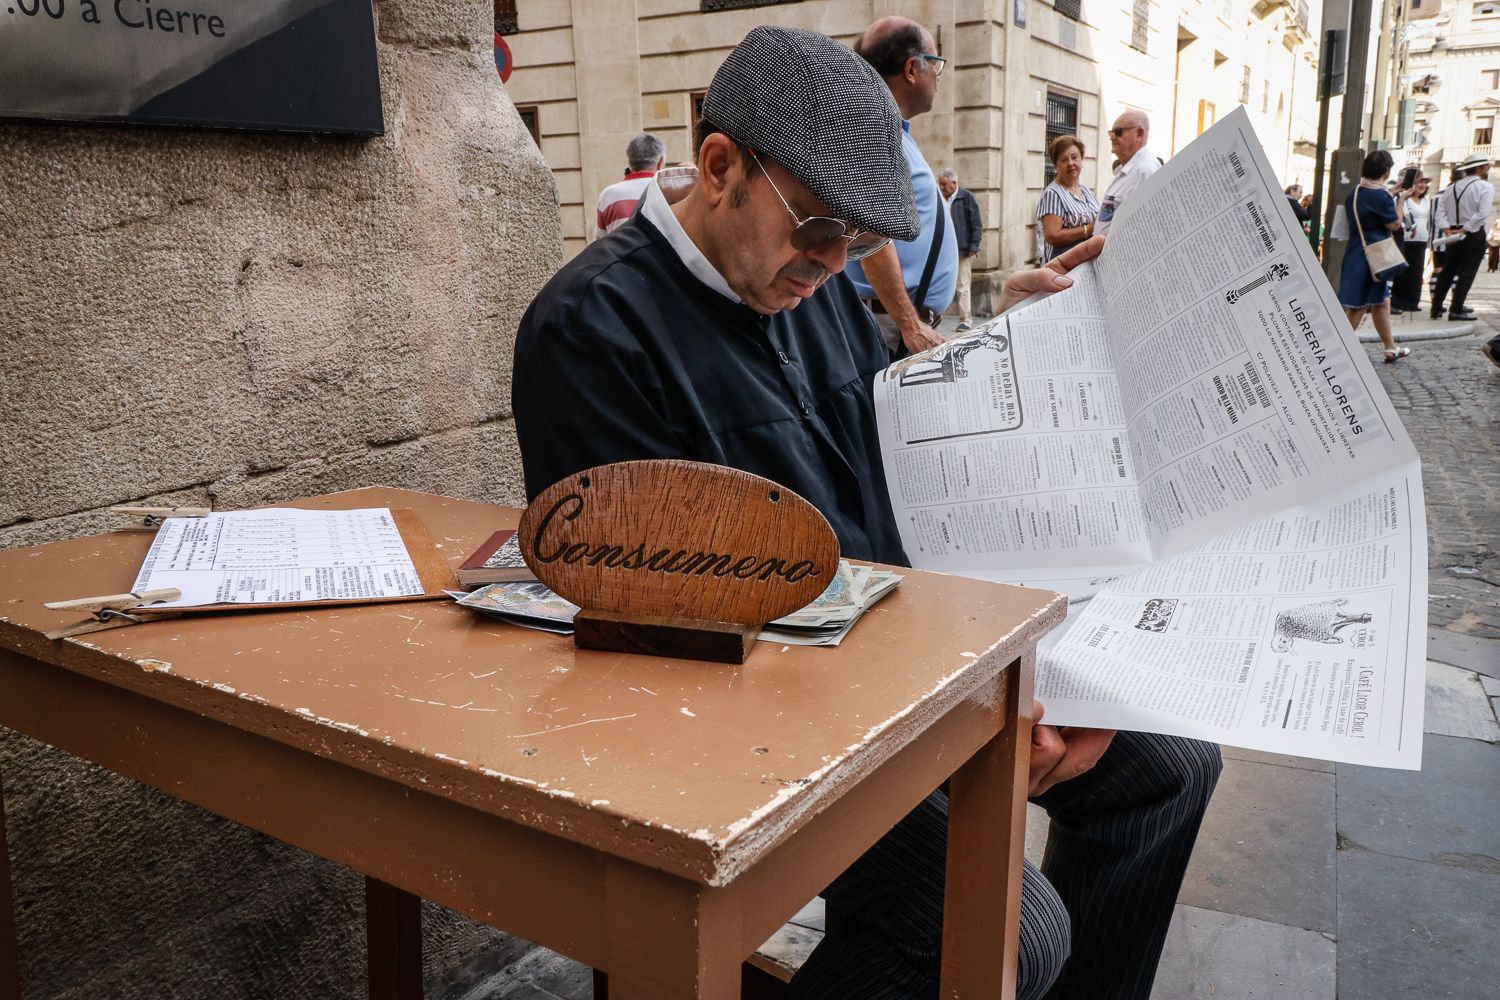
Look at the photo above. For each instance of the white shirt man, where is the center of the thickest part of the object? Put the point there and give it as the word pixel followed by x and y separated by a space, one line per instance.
pixel 646 154
pixel 1466 204
pixel 1128 142
pixel 1463 210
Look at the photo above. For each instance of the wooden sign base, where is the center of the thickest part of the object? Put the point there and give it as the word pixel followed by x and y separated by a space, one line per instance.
pixel 680 638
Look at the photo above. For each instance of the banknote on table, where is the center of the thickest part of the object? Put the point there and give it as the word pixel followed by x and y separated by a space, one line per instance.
pixel 824 622
pixel 530 605
pixel 833 613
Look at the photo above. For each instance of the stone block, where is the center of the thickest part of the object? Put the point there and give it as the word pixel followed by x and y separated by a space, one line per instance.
pixel 542 48
pixel 1415 931
pixel 1223 956
pixel 562 152
pixel 539 84
pixel 1448 813
pixel 1280 760
pixel 1457 705
pixel 538 14
pixel 1266 849
pixel 558 118
pixel 435 23
pixel 1468 651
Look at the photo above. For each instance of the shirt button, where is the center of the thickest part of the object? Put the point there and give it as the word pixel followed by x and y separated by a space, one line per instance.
pixel 784 359
pixel 806 408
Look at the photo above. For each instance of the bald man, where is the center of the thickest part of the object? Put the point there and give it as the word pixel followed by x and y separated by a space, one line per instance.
pixel 1128 142
pixel 906 308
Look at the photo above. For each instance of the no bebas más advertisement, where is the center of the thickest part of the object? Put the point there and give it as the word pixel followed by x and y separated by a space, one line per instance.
pixel 265 65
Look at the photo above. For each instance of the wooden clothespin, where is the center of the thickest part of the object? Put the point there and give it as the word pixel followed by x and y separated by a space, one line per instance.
pixel 150 518
pixel 112 611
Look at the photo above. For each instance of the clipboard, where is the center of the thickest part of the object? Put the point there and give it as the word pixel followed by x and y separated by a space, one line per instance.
pixel 433 573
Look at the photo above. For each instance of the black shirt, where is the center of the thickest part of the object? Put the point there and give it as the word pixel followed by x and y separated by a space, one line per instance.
pixel 625 354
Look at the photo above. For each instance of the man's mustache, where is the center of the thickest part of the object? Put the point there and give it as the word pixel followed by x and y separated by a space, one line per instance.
pixel 809 273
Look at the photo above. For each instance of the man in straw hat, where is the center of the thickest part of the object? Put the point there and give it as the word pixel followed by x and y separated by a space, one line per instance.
pixel 721 329
pixel 1463 210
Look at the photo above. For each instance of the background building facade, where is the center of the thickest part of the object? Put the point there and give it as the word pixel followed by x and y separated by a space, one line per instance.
pixel 589 75
pixel 1453 80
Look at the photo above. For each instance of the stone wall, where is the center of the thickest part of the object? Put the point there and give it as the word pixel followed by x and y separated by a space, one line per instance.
pixel 228 319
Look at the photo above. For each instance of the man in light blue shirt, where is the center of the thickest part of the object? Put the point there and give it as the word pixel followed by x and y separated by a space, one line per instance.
pixel 904 55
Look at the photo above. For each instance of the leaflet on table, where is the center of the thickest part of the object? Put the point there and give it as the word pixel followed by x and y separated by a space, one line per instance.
pixel 277 556
pixel 1303 633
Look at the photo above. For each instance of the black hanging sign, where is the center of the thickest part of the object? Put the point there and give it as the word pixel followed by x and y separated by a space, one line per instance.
pixel 261 65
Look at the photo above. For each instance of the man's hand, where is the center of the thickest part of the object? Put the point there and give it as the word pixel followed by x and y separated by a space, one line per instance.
pixel 883 272
pixel 1062 754
pixel 920 337
pixel 1053 277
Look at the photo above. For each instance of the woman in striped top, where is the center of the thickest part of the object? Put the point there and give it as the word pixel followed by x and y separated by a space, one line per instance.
pixel 1066 212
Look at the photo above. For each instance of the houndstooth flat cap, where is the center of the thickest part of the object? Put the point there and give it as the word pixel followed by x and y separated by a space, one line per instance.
pixel 825 115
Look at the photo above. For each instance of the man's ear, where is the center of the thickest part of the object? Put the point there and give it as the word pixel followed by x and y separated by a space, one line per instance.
pixel 718 167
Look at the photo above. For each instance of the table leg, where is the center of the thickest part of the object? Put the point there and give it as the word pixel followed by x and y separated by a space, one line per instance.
pixel 10 954
pixel 393 934
pixel 669 939
pixel 986 843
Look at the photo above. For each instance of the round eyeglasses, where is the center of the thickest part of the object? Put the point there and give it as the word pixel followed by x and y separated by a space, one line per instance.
pixel 818 232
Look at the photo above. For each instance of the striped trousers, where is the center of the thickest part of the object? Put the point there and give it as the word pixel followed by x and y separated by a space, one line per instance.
pixel 1093 920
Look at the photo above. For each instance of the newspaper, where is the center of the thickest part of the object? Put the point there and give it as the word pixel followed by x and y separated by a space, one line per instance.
pixel 1192 445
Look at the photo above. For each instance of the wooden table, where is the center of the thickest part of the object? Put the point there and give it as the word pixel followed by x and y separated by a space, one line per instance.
pixel 655 819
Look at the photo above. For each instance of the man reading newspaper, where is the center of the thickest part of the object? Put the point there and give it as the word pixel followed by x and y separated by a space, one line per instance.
pixel 720 329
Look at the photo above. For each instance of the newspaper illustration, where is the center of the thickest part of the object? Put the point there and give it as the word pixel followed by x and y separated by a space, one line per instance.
pixel 1192 445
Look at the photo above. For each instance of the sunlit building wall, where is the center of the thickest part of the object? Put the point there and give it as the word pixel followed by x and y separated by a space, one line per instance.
pixel 589 75
pixel 1453 81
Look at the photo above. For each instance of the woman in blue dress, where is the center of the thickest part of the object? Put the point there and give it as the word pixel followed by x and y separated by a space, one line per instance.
pixel 1361 292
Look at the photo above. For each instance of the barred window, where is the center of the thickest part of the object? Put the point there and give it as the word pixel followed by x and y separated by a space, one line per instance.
pixel 1140 20
pixel 1245 87
pixel 528 115
pixel 1062 119
pixel 710 6
pixel 505 17
pixel 1069 8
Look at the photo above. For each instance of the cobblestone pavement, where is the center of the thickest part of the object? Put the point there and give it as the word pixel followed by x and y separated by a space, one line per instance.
pixel 1448 394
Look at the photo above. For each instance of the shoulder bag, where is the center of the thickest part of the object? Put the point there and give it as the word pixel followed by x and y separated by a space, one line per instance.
pixel 1384 257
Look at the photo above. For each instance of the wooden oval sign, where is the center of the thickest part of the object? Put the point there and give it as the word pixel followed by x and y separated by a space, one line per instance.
pixel 678 539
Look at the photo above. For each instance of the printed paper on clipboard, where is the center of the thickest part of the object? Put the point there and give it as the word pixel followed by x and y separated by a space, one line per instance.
pixel 284 556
